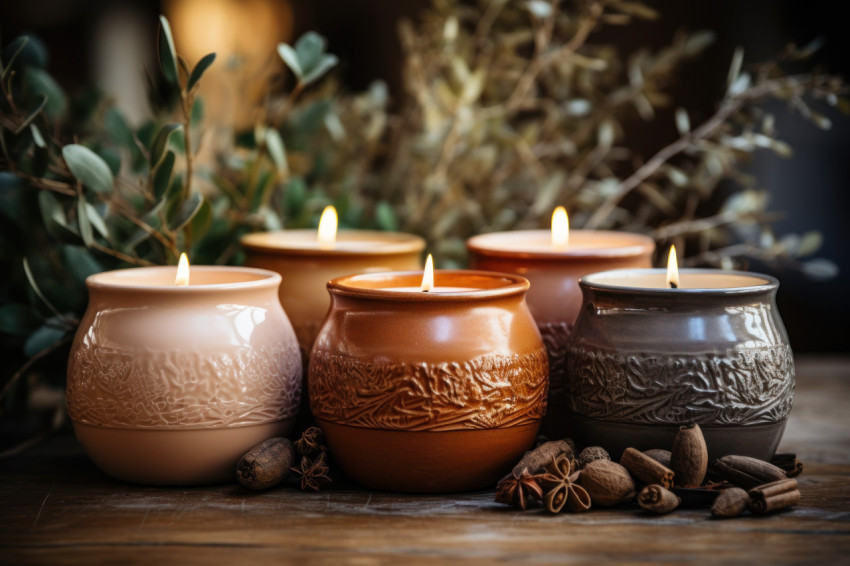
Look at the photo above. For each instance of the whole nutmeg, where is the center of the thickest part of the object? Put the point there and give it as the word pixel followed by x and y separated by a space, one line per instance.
pixel 608 483
pixel 592 453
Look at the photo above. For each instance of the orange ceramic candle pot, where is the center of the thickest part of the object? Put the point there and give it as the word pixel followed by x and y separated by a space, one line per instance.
pixel 554 297
pixel 436 391
pixel 171 384
pixel 306 266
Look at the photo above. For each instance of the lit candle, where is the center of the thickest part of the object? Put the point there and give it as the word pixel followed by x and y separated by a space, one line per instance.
pixel 406 382
pixel 653 349
pixel 308 259
pixel 553 261
pixel 427 285
pixel 172 378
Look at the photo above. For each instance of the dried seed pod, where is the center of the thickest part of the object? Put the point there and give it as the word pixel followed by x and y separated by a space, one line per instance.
pixel 592 453
pixel 730 503
pixel 747 472
pixel 266 464
pixel 659 455
pixel 689 456
pixel 607 483
pixel 657 499
pixel 645 468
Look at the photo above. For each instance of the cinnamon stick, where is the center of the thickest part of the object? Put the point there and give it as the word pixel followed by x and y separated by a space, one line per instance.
pixel 774 496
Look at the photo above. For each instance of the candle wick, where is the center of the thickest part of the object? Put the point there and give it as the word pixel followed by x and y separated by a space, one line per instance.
pixel 425 290
pixel 673 285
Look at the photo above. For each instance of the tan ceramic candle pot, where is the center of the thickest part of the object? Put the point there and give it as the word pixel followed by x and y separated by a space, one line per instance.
pixel 644 359
pixel 554 297
pixel 171 385
pixel 428 392
pixel 306 266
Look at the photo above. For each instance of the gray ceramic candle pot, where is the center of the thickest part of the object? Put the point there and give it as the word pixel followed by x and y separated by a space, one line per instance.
pixel 644 358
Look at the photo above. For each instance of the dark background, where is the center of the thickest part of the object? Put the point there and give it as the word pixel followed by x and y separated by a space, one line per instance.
pixel 810 187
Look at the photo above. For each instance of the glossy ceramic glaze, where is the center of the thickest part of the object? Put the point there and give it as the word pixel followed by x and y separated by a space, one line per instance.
pixel 554 297
pixel 644 359
pixel 428 392
pixel 173 384
pixel 306 267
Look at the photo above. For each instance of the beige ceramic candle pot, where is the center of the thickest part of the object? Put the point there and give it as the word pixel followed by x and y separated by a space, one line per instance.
pixel 437 391
pixel 306 266
pixel 554 297
pixel 172 384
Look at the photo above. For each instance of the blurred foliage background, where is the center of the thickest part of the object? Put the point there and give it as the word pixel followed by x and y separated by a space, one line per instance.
pixel 442 118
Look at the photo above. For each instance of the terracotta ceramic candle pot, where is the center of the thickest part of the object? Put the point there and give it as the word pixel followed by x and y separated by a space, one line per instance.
pixel 438 391
pixel 644 358
pixel 554 297
pixel 306 266
pixel 172 384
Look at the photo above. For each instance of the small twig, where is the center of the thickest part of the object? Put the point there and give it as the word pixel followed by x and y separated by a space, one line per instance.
pixel 728 107
pixel 120 255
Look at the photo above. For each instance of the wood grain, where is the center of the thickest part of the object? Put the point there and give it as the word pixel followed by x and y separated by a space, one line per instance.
pixel 57 508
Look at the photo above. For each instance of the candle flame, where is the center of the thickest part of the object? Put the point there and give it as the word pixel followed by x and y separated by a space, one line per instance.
pixel 672 269
pixel 182 278
pixel 428 276
pixel 327 227
pixel 560 228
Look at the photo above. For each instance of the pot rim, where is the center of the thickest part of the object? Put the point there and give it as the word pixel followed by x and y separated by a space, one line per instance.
pixel 639 244
pixel 597 282
pixel 303 243
pixel 375 284
pixel 157 277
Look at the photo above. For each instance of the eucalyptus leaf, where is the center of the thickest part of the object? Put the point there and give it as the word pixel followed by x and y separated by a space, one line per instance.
pixel 202 220
pixel 162 175
pixel 309 49
pixel 160 142
pixel 199 70
pixel 96 220
pixel 86 232
pixel 326 63
pixel 88 168
pixel 80 263
pixel 820 269
pixel 18 320
pixel 52 213
pixel 290 58
pixel 277 151
pixel 12 195
pixel 43 338
pixel 167 52
pixel 40 82
pixel 187 211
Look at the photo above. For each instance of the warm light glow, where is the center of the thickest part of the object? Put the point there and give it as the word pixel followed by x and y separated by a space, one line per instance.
pixel 672 269
pixel 560 228
pixel 182 278
pixel 428 276
pixel 327 227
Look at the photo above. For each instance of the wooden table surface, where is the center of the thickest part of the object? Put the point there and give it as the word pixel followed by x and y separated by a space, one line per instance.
pixel 57 508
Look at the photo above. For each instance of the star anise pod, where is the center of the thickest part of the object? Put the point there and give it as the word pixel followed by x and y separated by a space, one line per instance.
pixel 313 472
pixel 561 489
pixel 312 442
pixel 516 490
